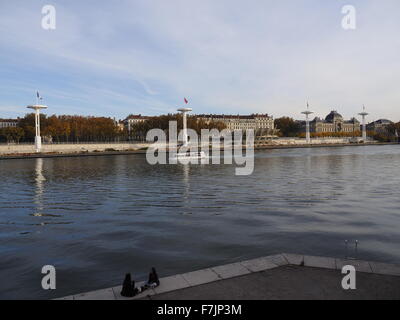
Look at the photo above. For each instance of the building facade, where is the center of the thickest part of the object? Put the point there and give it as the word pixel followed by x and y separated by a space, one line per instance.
pixel 379 126
pixel 133 119
pixel 7 123
pixel 333 123
pixel 242 122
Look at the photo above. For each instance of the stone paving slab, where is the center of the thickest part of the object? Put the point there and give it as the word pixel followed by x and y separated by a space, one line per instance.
pixel 260 264
pixel 360 266
pixel 320 262
pixel 231 270
pixel 242 269
pixel 66 298
pixel 277 259
pixel 196 278
pixel 384 268
pixel 104 294
pixel 294 259
pixel 171 283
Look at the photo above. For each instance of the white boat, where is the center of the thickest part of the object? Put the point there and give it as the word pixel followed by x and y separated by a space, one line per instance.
pixel 190 156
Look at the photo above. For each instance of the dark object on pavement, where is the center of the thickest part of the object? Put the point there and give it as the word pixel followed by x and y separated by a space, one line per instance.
pixel 153 279
pixel 128 287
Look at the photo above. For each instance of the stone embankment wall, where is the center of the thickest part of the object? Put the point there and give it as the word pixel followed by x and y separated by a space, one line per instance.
pixel 293 141
pixel 71 148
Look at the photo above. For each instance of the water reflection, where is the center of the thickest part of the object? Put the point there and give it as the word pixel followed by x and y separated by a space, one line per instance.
pixel 39 188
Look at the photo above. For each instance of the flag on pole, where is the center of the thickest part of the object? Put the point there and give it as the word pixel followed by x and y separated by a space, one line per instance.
pixel 39 96
pixel 186 101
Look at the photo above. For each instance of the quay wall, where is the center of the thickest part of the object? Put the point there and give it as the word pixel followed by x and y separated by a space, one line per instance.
pixel 294 141
pixel 70 148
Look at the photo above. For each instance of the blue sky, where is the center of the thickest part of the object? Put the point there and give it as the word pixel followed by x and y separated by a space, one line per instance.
pixel 114 58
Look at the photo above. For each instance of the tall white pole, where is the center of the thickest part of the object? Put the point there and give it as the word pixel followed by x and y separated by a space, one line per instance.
pixel 364 125
pixel 364 133
pixel 38 139
pixel 184 131
pixel 307 113
pixel 37 123
pixel 308 138
pixel 185 138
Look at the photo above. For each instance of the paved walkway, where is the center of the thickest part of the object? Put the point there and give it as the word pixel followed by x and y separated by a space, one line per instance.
pixel 282 276
pixel 291 283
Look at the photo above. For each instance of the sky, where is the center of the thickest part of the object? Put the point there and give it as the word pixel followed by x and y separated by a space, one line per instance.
pixel 114 58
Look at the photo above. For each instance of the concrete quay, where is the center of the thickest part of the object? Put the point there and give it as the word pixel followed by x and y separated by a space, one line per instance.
pixel 282 276
pixel 69 148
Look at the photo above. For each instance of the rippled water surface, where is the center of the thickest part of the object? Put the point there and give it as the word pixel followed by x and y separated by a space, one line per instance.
pixel 96 218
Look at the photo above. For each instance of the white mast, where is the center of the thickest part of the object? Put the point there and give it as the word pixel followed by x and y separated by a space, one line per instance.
pixel 364 125
pixel 37 107
pixel 184 132
pixel 307 113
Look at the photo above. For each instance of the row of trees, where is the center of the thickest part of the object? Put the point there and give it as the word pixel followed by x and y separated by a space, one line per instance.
pixel 14 134
pixel 332 134
pixel 64 129
pixel 139 130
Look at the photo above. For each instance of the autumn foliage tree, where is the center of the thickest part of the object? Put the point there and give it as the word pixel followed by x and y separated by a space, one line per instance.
pixel 67 128
pixel 287 127
pixel 11 134
pixel 139 130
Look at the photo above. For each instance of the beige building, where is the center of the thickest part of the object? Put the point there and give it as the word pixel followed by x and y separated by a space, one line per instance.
pixel 334 123
pixel 6 123
pixel 379 126
pixel 133 119
pixel 242 122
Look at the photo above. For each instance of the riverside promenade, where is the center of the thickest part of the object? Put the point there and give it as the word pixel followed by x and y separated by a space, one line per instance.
pixel 277 277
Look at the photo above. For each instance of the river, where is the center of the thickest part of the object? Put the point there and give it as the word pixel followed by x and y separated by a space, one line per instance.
pixel 96 218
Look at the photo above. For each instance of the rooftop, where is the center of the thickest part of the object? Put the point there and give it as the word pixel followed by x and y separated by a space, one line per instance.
pixel 230 116
pixel 333 115
pixel 382 121
pixel 9 120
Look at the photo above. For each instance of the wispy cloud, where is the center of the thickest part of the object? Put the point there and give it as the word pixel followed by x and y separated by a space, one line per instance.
pixel 226 56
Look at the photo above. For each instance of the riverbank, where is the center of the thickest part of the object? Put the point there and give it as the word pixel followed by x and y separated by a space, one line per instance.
pixel 281 276
pixel 70 148
pixel 142 149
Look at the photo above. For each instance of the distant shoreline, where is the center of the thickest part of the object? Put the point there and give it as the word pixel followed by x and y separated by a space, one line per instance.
pixel 138 152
